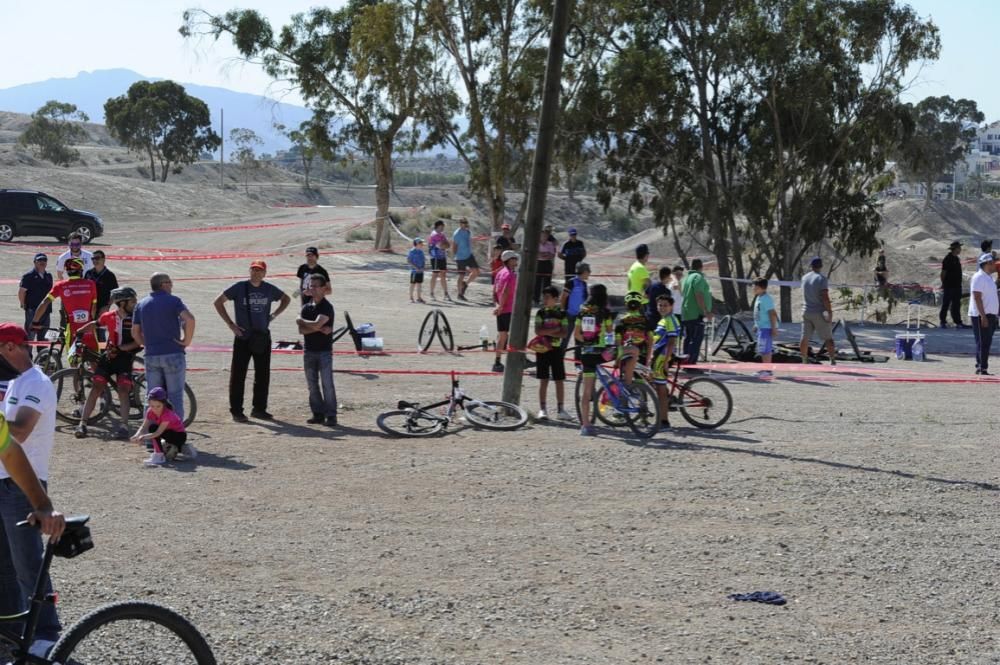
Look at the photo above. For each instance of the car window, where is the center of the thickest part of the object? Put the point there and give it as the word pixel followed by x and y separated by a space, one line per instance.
pixel 45 203
pixel 22 201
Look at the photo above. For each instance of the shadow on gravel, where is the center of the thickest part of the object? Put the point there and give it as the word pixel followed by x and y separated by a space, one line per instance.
pixel 313 431
pixel 214 461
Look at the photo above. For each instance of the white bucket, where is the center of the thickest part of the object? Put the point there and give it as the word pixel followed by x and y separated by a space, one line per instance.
pixel 371 343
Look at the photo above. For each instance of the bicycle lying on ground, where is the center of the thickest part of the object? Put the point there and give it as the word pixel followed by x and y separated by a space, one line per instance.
pixel 123 632
pixel 416 420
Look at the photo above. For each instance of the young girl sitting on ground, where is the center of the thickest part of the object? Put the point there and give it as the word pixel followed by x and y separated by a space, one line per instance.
pixel 165 429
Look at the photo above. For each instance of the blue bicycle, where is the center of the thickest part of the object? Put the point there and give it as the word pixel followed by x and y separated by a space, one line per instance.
pixel 618 404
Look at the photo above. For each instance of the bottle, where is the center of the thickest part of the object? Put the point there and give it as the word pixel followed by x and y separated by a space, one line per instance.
pixel 484 337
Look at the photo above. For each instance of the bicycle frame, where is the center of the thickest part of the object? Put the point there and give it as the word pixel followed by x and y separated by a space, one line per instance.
pixel 456 400
pixel 614 389
pixel 30 617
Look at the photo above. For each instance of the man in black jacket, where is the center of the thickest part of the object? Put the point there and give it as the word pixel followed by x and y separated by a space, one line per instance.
pixel 951 286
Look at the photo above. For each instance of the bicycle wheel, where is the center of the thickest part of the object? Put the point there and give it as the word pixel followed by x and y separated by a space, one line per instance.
pixel 605 410
pixel 130 633
pixel 426 335
pixel 72 387
pixel 705 403
pixel 137 408
pixel 722 332
pixel 496 415
pixel 645 422
pixel 409 423
pixel 444 333
pixel 48 361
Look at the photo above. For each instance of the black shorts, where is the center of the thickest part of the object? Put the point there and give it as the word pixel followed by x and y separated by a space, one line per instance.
pixel 590 361
pixel 439 264
pixel 416 277
pixel 550 365
pixel 503 322
pixel 119 367
pixel 464 264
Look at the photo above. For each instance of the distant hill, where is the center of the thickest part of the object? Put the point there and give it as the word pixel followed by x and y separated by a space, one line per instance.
pixel 89 91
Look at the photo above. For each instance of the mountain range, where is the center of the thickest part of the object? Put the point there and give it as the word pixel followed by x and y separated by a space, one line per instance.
pixel 89 90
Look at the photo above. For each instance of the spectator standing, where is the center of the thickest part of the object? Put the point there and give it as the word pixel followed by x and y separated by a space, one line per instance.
pixel 504 288
pixel 676 278
pixel 983 309
pixel 501 244
pixel 416 260
pixel 157 323
pixel 572 252
pixel 765 319
pixel 546 264
pixel 465 258
pixel 696 299
pixel 951 286
pixel 308 269
pixel 817 311
pixel 105 280
pixel 252 299
pixel 437 243
pixel 35 285
pixel 315 322
pixel 550 325
pixel 638 273
pixel 574 294
pixel 75 251
pixel 654 291
pixel 881 270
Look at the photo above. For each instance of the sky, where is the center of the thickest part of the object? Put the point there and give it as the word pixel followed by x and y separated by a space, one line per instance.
pixel 42 39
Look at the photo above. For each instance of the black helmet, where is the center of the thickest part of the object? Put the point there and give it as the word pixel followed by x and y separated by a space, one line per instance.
pixel 122 293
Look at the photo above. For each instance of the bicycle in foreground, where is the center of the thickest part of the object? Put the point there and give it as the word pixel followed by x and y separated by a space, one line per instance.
pixel 415 420
pixel 617 404
pixel 118 633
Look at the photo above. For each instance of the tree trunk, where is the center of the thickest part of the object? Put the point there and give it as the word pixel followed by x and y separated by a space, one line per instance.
pixel 305 170
pixel 786 303
pixel 152 164
pixel 165 166
pixel 929 192
pixel 383 183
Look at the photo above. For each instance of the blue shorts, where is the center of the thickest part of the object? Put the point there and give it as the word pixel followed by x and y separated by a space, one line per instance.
pixel 765 341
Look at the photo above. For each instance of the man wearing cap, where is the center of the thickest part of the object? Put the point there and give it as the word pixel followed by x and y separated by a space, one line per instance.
pixel 951 286
pixel 504 288
pixel 29 416
pixel 105 280
pixel 35 285
pixel 571 253
pixel 465 258
pixel 75 251
pixel 817 311
pixel 546 264
pixel 308 269
pixel 984 305
pixel 252 338
pixel 638 273
pixel 157 323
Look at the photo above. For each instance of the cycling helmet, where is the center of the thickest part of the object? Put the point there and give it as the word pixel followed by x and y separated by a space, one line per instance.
pixel 633 298
pixel 73 265
pixel 122 293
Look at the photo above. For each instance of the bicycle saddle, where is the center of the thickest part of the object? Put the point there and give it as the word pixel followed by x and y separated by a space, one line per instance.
pixel 75 540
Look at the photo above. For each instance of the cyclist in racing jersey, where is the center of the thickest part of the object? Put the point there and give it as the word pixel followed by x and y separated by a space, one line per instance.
pixel 116 360
pixel 666 342
pixel 79 299
pixel 594 335
pixel 631 335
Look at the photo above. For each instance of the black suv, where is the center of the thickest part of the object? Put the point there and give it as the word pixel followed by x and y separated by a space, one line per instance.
pixel 29 213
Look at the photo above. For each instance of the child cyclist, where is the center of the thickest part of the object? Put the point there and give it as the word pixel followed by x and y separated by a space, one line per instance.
pixel 666 341
pixel 631 335
pixel 594 334
pixel 550 328
pixel 416 260
pixel 765 318
pixel 116 360
pixel 165 429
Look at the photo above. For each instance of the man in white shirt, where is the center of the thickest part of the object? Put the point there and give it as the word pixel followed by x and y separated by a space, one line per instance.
pixel 984 305
pixel 30 410
pixel 77 251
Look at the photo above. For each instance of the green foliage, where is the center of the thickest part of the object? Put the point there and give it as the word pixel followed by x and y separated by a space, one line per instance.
pixel 246 142
pixel 52 130
pixel 878 303
pixel 162 120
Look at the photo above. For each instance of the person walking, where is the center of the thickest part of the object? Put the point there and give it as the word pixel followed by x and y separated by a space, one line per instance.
pixel 984 306
pixel 465 258
pixel 75 251
pixel 572 253
pixel 315 322
pixel 307 270
pixel 157 324
pixel 504 288
pixel 951 287
pixel 35 285
pixel 437 245
pixel 696 308
pixel 252 299
pixel 817 311
pixel 105 280
pixel 546 263
pixel 29 410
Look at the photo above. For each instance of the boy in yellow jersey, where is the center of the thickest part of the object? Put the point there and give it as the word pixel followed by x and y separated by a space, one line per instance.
pixel 666 341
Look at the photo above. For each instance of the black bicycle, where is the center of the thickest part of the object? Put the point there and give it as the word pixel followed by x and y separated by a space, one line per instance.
pixel 123 632
pixel 49 359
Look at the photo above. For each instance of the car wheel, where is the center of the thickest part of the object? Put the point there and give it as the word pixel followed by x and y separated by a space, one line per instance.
pixel 86 232
pixel 6 231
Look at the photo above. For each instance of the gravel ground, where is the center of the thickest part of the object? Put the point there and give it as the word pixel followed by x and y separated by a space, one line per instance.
pixel 870 505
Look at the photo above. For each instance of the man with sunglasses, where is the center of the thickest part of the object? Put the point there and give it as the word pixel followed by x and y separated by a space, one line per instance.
pixel 75 251
pixel 105 280
pixel 35 285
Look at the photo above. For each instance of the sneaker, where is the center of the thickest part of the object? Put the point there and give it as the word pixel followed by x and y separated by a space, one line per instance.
pixel 587 430
pixel 542 415
pixel 156 459
pixel 331 421
pixel 564 415
pixel 240 418
pixel 81 431
pixel 261 415
pixel 189 451
pixel 497 367
pixel 665 426
pixel 764 374
pixel 317 419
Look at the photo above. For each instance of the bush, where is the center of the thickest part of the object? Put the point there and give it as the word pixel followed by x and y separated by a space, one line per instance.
pixel 621 220
pixel 362 233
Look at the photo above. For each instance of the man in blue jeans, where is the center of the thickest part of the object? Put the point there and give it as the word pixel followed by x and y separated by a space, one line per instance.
pixel 316 325
pixel 156 325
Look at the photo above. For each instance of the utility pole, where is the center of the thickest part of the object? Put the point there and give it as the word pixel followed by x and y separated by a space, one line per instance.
pixel 534 218
pixel 222 147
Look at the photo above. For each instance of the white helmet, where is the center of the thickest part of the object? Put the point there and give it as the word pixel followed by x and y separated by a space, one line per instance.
pixel 508 255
